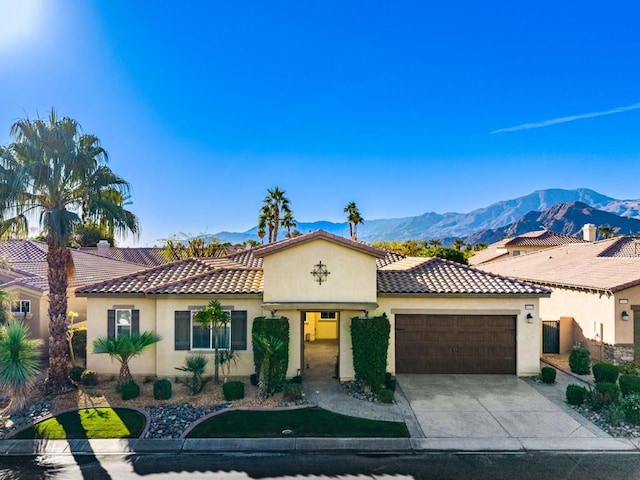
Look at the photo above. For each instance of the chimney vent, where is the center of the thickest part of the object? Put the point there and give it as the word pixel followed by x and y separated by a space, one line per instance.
pixel 589 232
pixel 103 248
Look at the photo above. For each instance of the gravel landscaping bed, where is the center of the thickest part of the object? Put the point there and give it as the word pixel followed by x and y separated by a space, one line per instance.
pixel 618 429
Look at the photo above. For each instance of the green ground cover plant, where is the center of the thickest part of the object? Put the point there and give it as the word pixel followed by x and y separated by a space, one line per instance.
pixel 102 422
pixel 306 422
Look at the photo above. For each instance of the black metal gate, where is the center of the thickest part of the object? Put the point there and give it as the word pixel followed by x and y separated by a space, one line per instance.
pixel 551 336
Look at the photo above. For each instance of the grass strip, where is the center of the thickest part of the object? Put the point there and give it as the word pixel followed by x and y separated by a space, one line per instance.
pixel 90 423
pixel 307 422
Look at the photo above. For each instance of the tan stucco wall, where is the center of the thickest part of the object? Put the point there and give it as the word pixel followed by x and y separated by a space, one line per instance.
pixel 37 320
pixel 527 334
pixel 287 276
pixel 589 310
pixel 97 309
pixel 624 329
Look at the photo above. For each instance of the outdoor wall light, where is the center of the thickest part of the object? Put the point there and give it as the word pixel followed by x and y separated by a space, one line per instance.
pixel 529 318
pixel 625 315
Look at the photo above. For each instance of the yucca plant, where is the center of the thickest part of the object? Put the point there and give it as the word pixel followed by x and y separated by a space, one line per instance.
pixel 268 346
pixel 123 349
pixel 195 365
pixel 19 356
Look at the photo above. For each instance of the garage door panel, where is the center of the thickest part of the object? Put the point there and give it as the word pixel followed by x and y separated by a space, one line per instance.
pixel 441 344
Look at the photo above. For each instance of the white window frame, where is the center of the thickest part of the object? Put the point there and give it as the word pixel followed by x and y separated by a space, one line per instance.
pixel 118 324
pixel 211 345
pixel 18 307
pixel 328 316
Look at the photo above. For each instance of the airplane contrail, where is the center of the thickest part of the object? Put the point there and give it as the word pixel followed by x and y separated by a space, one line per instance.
pixel 546 123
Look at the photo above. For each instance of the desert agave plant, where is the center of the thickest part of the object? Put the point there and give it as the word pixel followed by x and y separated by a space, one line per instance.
pixel 19 356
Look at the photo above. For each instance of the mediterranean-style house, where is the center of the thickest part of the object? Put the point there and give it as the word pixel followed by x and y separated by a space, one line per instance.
pixel 445 317
pixel 595 299
pixel 523 244
pixel 24 276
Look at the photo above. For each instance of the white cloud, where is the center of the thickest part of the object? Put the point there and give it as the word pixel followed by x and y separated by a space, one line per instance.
pixel 546 123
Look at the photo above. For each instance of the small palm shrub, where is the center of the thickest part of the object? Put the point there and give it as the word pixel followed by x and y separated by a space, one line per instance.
pixel 385 395
pixel 162 389
pixel 580 361
pixel 195 365
pixel 576 394
pixel 629 367
pixel 292 392
pixel 629 384
pixel 548 375
pixel 630 407
pixel 129 391
pixel 605 372
pixel 89 378
pixel 76 373
pixel 233 390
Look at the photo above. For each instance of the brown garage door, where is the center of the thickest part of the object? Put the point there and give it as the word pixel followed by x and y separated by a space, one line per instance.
pixel 456 344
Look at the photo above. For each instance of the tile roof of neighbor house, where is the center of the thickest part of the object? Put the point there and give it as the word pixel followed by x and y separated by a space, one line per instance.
pixel 27 258
pixel 610 265
pixel 146 256
pixel 487 255
pixel 242 274
pixel 438 276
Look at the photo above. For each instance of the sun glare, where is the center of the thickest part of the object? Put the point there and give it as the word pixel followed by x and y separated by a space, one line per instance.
pixel 20 22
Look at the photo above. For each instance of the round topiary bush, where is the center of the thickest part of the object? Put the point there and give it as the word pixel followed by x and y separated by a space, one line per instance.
pixel 292 392
pixel 576 394
pixel 580 361
pixel 162 389
pixel 607 392
pixel 385 395
pixel 233 390
pixel 76 373
pixel 629 384
pixel 605 372
pixel 129 391
pixel 89 378
pixel 630 407
pixel 548 375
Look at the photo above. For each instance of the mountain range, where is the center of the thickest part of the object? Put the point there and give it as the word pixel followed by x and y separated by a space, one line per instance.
pixel 561 212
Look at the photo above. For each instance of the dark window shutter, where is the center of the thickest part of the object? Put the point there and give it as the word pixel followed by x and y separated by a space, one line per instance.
pixel 182 339
pixel 111 323
pixel 238 330
pixel 135 321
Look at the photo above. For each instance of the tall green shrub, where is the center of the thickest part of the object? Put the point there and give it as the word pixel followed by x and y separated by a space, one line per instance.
pixel 79 342
pixel 370 342
pixel 629 384
pixel 580 361
pixel 275 328
pixel 605 372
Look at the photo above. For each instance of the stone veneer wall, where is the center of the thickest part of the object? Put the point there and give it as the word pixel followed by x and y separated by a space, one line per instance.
pixel 618 353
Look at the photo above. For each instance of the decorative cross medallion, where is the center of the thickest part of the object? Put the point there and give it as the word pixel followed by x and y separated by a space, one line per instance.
pixel 320 272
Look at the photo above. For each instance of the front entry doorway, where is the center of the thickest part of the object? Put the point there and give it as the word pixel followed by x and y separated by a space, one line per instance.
pixel 320 345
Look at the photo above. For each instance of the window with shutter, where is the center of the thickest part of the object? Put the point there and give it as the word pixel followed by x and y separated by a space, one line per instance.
pixel 182 340
pixel 238 330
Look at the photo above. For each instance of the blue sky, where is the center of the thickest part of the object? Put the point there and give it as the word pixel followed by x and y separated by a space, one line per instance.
pixel 402 107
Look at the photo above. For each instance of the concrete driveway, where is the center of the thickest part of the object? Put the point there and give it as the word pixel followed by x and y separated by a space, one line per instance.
pixel 457 406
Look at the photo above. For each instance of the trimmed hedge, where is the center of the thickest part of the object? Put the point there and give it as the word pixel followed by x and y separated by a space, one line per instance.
pixel 605 372
pixel 580 361
pixel 272 327
pixel 233 390
pixel 162 389
pixel 548 375
pixel 629 384
pixel 292 392
pixel 607 393
pixel 129 391
pixel 576 394
pixel 370 342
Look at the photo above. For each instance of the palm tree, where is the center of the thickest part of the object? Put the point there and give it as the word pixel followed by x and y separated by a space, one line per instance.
pixel 19 356
pixel 354 218
pixel 434 242
pixel 6 300
pixel 288 222
pixel 123 349
pixel 45 170
pixel 269 346
pixel 458 244
pixel 605 231
pixel 275 207
pixel 213 316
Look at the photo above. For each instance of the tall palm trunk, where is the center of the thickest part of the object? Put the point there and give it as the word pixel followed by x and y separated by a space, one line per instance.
pixel 57 262
pixel 124 376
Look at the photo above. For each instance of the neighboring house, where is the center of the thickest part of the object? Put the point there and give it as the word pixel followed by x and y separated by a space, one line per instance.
pixel 521 245
pixel 445 317
pixel 24 276
pixel 595 296
pixel 145 256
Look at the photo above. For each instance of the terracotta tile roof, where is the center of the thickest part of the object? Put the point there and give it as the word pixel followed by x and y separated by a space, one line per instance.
pixel 20 251
pixel 437 276
pixel 541 238
pixel 307 237
pixel 390 257
pixel 487 255
pixel 605 265
pixel 247 281
pixel 247 259
pixel 146 256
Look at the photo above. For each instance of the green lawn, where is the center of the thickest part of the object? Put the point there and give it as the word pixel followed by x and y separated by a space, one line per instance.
pixel 89 423
pixel 306 422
